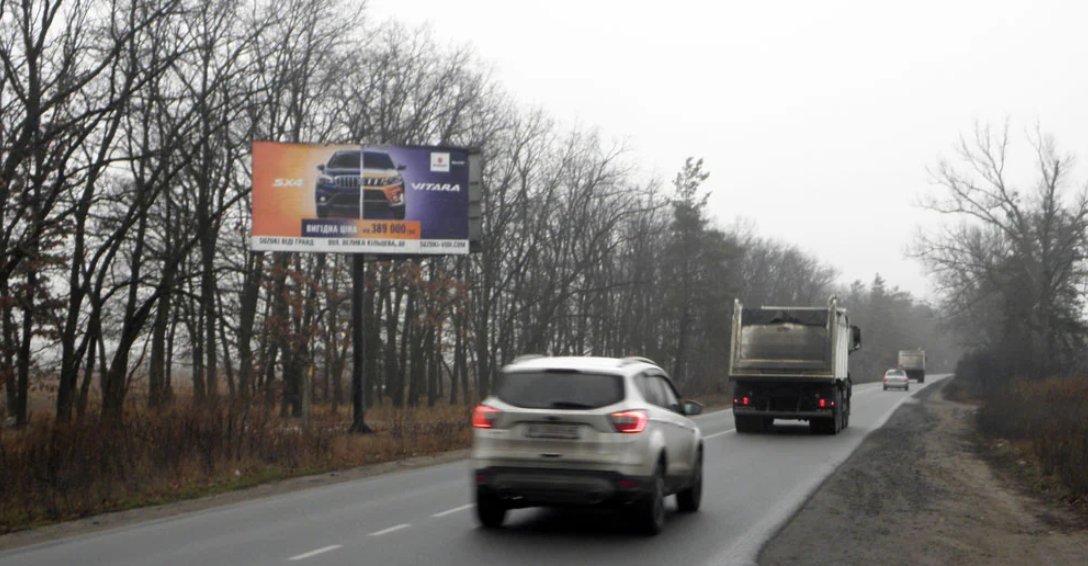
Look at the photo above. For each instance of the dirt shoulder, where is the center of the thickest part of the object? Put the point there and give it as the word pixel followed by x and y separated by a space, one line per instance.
pixel 107 521
pixel 920 491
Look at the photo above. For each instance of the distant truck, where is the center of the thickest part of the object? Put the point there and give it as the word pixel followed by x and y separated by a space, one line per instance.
pixel 914 363
pixel 792 363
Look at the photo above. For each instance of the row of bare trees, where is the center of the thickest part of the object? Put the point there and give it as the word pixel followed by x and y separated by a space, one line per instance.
pixel 125 278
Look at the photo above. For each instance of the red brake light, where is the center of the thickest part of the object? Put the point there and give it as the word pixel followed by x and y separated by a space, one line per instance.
pixel 746 401
pixel 630 421
pixel 484 416
pixel 823 403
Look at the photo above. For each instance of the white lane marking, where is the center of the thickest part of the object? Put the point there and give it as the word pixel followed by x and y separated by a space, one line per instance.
pixel 717 434
pixel 452 511
pixel 390 530
pixel 313 553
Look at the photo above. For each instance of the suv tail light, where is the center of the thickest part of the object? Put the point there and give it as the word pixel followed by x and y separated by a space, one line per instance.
pixel 630 421
pixel 484 416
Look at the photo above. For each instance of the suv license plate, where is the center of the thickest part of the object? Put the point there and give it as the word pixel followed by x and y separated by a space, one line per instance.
pixel 561 432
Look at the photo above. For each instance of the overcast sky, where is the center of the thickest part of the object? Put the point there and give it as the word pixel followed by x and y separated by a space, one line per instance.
pixel 817 119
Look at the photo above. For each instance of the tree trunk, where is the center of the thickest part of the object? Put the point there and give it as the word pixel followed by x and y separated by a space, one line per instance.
pixel 156 377
pixel 7 350
pixel 22 385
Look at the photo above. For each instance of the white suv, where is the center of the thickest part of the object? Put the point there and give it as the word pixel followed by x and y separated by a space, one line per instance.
pixel 583 430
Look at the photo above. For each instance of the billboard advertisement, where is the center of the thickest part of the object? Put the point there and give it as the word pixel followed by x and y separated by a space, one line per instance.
pixel 360 199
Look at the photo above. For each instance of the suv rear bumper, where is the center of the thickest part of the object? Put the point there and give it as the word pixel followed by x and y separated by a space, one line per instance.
pixel 528 487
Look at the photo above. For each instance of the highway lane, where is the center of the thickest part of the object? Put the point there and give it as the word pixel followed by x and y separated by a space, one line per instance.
pixel 424 516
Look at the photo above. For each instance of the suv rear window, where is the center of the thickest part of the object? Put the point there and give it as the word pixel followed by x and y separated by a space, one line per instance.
pixel 559 389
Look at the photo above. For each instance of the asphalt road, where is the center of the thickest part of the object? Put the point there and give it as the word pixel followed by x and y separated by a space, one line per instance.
pixel 753 484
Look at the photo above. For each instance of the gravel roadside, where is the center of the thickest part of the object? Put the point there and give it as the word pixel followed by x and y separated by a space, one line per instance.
pixel 917 491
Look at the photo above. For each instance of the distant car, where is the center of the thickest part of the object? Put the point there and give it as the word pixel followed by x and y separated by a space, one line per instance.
pixel 896 378
pixel 337 190
pixel 572 431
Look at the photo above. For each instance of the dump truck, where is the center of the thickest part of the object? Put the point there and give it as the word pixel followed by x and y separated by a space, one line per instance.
pixel 914 363
pixel 792 362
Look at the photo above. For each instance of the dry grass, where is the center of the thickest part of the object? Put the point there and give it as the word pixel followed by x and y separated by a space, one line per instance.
pixel 51 473
pixel 1046 420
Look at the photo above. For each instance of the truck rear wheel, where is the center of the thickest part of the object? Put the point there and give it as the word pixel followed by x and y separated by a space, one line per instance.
pixel 838 418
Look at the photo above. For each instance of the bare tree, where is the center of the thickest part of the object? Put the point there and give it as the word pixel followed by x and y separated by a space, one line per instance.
pixel 1012 269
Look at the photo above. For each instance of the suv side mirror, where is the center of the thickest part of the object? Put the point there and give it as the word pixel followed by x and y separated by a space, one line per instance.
pixel 401 167
pixel 321 167
pixel 692 408
pixel 855 338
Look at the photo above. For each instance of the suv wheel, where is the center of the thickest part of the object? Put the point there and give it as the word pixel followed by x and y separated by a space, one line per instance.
pixel 688 499
pixel 489 510
pixel 651 512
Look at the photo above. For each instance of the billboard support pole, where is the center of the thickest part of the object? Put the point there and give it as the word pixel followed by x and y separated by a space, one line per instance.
pixel 358 345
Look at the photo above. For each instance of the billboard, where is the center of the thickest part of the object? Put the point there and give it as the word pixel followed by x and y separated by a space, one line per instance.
pixel 393 200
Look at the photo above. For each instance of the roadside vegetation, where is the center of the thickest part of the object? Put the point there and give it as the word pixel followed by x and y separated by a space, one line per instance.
pixel 1012 273
pixel 1039 429
pixel 56 471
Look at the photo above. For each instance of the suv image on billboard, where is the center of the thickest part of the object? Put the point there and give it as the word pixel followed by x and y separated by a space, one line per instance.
pixel 577 431
pixel 337 192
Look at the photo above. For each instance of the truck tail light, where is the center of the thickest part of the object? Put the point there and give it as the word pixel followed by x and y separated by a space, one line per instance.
pixel 630 421
pixel 826 403
pixel 484 416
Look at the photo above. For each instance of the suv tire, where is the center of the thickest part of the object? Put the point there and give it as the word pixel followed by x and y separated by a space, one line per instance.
pixel 489 510
pixel 650 519
pixel 688 500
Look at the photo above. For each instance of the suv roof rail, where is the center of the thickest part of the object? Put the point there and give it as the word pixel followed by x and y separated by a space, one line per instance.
pixel 527 357
pixel 637 359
